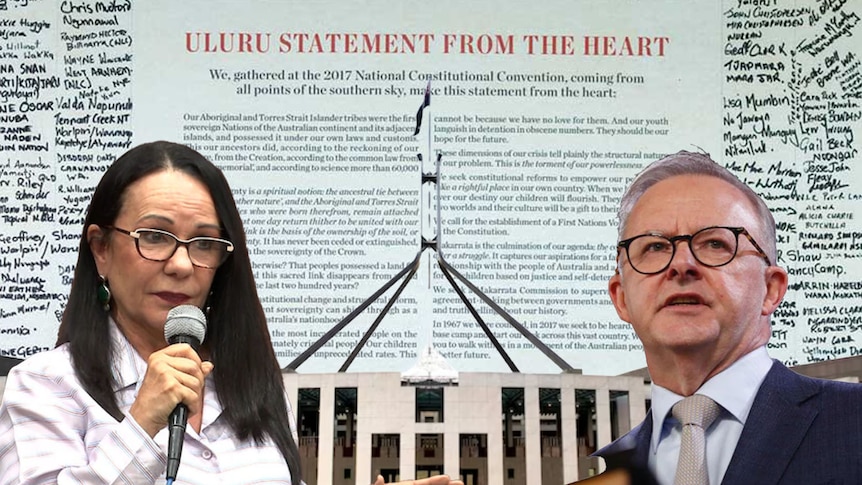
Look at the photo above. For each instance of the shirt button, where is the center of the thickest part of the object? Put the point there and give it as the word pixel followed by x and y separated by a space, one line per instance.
pixel 207 454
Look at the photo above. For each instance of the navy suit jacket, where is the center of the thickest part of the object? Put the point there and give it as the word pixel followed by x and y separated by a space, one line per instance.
pixel 800 431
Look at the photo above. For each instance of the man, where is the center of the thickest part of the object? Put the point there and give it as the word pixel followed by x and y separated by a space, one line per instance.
pixel 697 280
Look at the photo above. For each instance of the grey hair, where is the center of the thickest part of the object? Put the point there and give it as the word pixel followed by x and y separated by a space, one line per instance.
pixel 688 163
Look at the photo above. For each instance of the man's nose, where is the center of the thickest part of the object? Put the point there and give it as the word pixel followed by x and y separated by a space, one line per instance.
pixel 683 260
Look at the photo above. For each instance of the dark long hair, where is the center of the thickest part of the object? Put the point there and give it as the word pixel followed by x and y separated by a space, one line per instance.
pixel 247 375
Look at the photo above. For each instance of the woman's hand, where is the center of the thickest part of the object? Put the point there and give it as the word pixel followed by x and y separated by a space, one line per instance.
pixel 174 375
pixel 435 480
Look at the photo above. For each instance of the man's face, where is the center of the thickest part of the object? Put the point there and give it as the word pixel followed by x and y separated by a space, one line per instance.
pixel 718 312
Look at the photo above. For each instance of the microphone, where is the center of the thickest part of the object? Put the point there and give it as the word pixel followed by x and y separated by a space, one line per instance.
pixel 186 324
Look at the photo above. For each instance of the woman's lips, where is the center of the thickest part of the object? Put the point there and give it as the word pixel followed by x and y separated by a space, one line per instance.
pixel 173 298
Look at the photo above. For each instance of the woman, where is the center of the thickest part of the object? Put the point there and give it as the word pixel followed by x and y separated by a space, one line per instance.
pixel 112 344
pixel 162 230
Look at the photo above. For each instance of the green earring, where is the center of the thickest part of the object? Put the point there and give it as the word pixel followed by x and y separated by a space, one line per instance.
pixel 104 294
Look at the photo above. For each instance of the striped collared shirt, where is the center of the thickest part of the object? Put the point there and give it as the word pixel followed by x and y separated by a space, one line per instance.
pixel 52 431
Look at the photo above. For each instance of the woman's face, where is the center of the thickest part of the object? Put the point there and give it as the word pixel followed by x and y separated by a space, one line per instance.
pixel 142 291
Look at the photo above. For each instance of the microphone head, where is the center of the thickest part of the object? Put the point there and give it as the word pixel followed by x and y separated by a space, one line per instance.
pixel 186 320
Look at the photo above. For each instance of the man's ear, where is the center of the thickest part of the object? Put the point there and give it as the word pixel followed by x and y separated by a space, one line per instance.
pixel 618 296
pixel 97 239
pixel 776 286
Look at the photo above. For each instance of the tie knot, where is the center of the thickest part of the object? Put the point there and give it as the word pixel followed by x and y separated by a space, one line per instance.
pixel 696 409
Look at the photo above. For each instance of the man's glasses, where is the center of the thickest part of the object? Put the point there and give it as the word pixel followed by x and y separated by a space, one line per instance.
pixel 710 246
pixel 158 245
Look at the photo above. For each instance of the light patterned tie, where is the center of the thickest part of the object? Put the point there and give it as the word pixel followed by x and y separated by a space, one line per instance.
pixel 695 413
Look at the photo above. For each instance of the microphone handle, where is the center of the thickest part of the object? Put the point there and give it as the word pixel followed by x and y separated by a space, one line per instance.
pixel 185 339
pixel 176 434
pixel 178 419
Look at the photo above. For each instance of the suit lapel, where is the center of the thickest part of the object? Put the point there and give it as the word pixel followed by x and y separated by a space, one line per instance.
pixel 631 449
pixel 640 457
pixel 783 410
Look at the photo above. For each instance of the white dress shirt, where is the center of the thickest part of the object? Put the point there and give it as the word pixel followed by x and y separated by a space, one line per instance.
pixel 734 389
pixel 52 431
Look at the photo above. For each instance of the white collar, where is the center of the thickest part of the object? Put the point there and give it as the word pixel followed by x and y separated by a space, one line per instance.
pixel 733 388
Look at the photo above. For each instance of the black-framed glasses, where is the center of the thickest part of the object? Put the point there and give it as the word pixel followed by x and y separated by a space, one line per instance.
pixel 711 246
pixel 159 245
